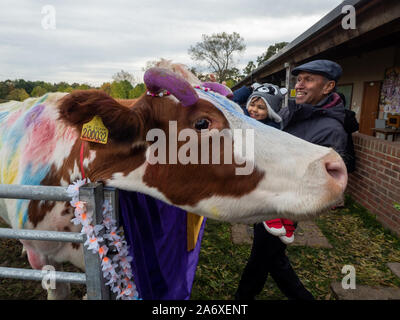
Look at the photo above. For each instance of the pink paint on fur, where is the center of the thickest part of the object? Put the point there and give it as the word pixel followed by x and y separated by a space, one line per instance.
pixel 70 134
pixel 42 143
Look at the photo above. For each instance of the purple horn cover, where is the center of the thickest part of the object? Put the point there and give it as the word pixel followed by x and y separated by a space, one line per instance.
pixel 157 79
pixel 220 88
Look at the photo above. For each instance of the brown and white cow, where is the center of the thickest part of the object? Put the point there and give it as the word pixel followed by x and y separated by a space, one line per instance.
pixel 271 173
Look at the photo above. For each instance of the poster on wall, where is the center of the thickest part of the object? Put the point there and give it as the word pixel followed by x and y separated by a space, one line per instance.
pixel 390 93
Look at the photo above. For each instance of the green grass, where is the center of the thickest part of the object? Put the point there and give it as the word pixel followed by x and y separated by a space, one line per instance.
pixel 357 240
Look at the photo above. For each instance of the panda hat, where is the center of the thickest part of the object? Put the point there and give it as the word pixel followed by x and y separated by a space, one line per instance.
pixel 272 96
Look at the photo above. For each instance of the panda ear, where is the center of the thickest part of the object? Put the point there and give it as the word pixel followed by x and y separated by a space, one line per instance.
pixel 256 85
pixel 283 91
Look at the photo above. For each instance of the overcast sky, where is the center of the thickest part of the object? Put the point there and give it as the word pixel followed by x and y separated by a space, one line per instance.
pixel 94 40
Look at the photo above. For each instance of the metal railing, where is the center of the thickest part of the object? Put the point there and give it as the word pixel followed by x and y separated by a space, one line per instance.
pixel 93 194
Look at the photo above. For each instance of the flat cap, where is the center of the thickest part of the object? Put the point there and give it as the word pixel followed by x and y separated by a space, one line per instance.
pixel 326 68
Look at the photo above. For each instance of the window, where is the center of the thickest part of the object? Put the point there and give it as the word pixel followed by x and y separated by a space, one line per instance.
pixel 347 91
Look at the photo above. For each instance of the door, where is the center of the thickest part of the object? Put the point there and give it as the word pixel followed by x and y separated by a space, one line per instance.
pixel 369 107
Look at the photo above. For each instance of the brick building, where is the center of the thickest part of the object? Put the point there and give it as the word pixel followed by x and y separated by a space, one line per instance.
pixel 370 57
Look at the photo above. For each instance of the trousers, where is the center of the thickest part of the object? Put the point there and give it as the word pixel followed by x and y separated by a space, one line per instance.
pixel 268 257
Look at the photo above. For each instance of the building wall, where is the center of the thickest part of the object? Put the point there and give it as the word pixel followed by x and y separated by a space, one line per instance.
pixel 370 66
pixel 375 183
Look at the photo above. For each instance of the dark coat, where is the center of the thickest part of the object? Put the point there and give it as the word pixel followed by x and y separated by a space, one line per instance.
pixel 241 95
pixel 322 124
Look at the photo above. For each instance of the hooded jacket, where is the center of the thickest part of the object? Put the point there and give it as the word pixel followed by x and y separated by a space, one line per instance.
pixel 271 95
pixel 323 124
pixel 267 121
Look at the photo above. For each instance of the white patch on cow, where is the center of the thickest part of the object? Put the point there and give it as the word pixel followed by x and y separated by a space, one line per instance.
pixel 9 215
pixel 75 173
pixel 172 98
pixel 87 161
pixel 3 211
pixel 134 182
pixel 63 182
pixel 64 146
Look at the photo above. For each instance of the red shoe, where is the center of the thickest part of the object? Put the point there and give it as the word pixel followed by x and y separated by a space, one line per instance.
pixel 275 227
pixel 289 227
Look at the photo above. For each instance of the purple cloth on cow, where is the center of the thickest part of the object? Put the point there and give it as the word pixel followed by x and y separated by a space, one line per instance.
pixel 156 232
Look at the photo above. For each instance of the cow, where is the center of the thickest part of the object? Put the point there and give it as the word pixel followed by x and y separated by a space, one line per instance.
pixel 40 144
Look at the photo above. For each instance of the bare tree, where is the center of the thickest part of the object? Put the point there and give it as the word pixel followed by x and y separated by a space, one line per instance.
pixel 218 50
pixel 124 75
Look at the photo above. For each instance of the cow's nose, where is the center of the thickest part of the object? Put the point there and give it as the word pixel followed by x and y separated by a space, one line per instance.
pixel 336 169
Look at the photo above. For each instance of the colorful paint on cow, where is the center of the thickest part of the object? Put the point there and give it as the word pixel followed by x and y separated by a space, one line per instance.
pixel 30 134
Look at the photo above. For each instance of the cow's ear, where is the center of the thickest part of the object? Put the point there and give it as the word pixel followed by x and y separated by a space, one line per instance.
pixel 124 124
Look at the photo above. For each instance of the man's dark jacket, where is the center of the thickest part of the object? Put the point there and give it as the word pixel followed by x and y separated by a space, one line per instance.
pixel 327 124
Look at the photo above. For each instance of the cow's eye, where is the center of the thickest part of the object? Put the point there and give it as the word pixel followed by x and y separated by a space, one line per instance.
pixel 202 124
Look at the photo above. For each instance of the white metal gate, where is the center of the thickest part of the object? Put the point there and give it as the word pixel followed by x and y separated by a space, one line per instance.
pixel 94 195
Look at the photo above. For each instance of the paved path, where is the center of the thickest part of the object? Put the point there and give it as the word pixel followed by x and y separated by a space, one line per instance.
pixel 241 233
pixel 395 268
pixel 365 292
pixel 307 234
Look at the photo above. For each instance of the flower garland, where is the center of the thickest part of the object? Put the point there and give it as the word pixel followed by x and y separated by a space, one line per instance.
pixel 117 269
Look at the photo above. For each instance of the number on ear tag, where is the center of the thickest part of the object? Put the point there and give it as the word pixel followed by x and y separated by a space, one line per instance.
pixel 95 131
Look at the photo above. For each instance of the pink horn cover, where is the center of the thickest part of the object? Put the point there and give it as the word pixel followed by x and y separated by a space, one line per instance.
pixel 157 79
pixel 220 88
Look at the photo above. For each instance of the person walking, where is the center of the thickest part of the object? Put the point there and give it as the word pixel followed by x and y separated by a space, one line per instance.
pixel 316 115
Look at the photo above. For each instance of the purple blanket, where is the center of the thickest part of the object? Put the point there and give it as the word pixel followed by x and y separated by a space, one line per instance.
pixel 162 267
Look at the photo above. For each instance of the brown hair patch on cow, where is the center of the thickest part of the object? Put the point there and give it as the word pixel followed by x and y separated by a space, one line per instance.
pixel 37 212
pixel 123 124
pixel 68 210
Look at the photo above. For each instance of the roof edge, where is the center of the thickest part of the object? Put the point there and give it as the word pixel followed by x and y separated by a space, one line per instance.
pixel 323 22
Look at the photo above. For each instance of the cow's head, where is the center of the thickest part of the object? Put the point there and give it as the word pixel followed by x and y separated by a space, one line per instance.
pixel 256 173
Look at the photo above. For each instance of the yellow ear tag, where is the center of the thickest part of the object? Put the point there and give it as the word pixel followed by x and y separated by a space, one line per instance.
pixel 95 131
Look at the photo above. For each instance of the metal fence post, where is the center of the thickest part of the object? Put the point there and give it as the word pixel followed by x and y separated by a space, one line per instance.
pixel 92 194
pixel 111 194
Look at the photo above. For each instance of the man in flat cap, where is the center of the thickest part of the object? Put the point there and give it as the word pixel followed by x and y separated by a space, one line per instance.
pixel 318 116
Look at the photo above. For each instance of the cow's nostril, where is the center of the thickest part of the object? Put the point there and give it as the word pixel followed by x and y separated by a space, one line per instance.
pixel 334 170
pixel 337 170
